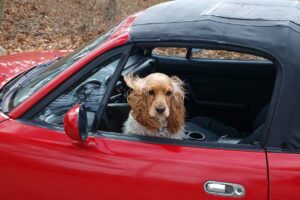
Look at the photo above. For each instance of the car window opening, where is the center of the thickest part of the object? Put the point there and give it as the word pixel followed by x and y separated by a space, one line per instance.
pixel 226 100
pixel 227 93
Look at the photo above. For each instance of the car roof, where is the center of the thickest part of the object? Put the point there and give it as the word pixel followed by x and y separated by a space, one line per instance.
pixel 197 20
pixel 268 26
pixel 195 10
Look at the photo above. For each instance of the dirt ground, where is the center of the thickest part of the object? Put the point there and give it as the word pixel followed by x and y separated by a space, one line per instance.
pixel 30 25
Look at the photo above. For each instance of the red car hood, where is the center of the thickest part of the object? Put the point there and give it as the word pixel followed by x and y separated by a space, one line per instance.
pixel 15 64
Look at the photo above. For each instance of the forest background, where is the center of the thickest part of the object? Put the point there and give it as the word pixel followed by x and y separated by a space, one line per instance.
pixel 29 25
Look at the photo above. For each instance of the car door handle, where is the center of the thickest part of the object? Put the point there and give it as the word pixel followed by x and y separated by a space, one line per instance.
pixel 224 189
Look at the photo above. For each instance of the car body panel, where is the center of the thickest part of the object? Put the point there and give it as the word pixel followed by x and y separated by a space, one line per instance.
pixel 46 164
pixel 284 173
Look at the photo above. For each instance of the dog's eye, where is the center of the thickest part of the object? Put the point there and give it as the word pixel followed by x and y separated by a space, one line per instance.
pixel 151 92
pixel 169 93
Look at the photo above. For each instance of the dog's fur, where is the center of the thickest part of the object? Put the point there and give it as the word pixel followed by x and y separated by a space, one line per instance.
pixel 157 106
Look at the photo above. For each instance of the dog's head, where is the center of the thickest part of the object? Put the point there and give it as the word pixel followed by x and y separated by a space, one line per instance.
pixel 155 99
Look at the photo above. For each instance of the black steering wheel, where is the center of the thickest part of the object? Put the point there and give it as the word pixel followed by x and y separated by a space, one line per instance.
pixel 87 89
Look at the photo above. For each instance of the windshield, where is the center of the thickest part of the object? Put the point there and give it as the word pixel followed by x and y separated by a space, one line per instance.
pixel 26 86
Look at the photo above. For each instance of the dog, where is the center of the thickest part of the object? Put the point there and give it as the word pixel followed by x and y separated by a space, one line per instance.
pixel 157 106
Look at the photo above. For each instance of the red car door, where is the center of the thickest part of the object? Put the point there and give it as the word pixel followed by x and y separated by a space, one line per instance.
pixel 41 163
pixel 284 172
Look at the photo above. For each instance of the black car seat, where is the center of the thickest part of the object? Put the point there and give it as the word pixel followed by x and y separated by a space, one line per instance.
pixel 254 138
pixel 258 127
pixel 221 129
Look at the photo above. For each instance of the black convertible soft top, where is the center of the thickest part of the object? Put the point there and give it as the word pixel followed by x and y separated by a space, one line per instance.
pixel 269 27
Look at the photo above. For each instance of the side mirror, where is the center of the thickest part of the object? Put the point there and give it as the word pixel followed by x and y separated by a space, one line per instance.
pixel 75 123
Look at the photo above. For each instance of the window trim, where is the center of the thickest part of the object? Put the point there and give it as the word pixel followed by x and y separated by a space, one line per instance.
pixel 189 54
pixel 211 46
pixel 168 141
pixel 226 59
pixel 114 79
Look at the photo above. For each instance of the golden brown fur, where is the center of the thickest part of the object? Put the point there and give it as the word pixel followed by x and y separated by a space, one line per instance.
pixel 155 99
pixel 177 110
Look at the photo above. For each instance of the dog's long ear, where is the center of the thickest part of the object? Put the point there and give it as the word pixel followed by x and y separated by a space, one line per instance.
pixel 136 96
pixel 178 87
pixel 138 103
pixel 129 80
pixel 135 83
pixel 177 110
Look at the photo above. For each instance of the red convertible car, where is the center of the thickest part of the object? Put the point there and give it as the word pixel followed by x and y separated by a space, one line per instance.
pixel 62 114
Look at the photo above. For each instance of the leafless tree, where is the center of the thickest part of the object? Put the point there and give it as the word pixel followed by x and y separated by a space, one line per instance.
pixel 1 10
pixel 111 10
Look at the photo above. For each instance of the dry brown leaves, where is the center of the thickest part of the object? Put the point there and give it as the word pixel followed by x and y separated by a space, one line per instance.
pixel 66 24
pixel 61 24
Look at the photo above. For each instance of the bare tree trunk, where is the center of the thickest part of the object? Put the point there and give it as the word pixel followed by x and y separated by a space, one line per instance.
pixel 1 11
pixel 2 50
pixel 111 10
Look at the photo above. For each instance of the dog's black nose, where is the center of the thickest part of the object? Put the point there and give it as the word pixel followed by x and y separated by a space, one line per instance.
pixel 160 109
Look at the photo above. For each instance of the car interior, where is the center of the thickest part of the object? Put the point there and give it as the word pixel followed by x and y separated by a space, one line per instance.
pixel 227 93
